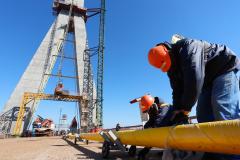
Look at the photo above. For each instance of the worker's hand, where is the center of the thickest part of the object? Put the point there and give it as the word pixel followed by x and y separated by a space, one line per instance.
pixel 153 110
pixel 180 117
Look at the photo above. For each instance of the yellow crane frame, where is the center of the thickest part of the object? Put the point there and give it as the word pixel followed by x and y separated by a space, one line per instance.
pixel 28 97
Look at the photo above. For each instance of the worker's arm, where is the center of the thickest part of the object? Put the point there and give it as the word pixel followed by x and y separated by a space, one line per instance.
pixel 193 69
pixel 177 86
pixel 149 124
pixel 152 112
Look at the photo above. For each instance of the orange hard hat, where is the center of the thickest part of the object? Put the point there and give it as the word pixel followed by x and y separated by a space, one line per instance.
pixel 159 57
pixel 146 102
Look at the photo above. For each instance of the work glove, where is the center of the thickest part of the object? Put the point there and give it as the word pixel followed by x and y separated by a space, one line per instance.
pixel 153 110
pixel 170 116
pixel 180 117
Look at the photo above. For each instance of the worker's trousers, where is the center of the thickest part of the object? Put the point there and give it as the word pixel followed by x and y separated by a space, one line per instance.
pixel 221 101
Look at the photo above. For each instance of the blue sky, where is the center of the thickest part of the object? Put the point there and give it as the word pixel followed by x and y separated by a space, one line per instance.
pixel 132 28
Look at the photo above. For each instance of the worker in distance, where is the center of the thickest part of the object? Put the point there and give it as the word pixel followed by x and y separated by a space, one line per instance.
pixel 203 72
pixel 161 115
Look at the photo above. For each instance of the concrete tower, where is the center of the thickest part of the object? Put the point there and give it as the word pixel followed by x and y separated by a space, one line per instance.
pixel 71 17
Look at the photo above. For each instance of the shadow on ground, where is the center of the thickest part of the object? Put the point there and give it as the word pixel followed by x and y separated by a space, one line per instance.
pixel 113 155
pixel 86 153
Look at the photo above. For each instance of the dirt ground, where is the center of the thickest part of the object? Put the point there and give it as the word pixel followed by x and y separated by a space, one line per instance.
pixel 55 148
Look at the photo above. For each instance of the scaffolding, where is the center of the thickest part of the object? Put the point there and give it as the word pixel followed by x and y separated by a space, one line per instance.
pixel 100 65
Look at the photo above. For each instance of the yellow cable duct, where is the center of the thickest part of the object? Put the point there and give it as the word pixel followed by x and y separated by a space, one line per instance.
pixel 219 137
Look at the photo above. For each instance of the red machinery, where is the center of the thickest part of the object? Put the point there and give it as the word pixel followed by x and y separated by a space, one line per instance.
pixel 95 130
pixel 43 127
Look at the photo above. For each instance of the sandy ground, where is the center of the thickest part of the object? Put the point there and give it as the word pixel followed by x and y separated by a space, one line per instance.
pixel 55 148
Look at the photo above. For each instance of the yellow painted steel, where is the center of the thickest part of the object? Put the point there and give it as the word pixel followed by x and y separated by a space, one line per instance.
pixel 92 137
pixel 218 137
pixel 20 117
pixel 71 136
pixel 28 97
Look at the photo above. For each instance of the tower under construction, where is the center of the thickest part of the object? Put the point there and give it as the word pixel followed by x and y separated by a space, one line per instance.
pixel 71 18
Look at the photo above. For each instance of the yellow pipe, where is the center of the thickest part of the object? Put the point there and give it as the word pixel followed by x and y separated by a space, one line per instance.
pixel 219 137
pixel 71 136
pixel 92 137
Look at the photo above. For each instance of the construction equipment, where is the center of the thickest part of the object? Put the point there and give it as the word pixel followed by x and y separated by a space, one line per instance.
pixel 98 130
pixel 95 129
pixel 43 122
pixel 69 27
pixel 217 137
pixel 100 65
pixel 28 97
pixel 43 127
pixel 111 142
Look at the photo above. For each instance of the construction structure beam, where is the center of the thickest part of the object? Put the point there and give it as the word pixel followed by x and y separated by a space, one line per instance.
pixel 59 5
pixel 100 66
pixel 217 137
pixel 28 97
pixel 56 75
pixel 71 19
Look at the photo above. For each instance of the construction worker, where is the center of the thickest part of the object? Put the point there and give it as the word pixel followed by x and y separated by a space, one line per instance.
pixel 152 106
pixel 118 127
pixel 203 72
pixel 156 111
pixel 160 115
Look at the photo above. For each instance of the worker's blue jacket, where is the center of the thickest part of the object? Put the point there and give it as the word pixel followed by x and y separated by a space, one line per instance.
pixel 195 64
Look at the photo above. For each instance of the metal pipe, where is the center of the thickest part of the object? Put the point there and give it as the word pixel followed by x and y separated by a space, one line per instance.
pixel 218 137
pixel 91 137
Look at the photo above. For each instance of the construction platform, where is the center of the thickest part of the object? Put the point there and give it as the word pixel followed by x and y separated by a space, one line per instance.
pixel 55 148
